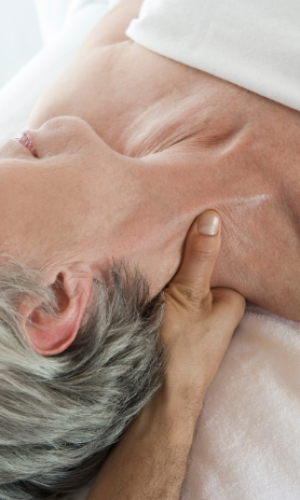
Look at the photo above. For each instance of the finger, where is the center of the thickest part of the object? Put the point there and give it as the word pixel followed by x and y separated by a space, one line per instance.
pixel 200 255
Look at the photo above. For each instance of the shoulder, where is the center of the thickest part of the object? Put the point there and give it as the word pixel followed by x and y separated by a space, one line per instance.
pixel 111 28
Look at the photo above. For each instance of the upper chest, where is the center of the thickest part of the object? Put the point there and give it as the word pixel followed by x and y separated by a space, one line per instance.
pixel 140 102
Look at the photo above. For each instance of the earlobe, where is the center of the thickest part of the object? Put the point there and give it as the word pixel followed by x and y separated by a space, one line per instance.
pixel 50 335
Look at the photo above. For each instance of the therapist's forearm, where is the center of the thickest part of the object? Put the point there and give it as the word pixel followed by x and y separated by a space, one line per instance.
pixel 149 462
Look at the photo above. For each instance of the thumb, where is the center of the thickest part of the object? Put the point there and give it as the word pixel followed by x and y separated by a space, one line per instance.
pixel 200 255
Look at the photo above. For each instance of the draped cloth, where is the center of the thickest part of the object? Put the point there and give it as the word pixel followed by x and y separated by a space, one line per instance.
pixel 252 43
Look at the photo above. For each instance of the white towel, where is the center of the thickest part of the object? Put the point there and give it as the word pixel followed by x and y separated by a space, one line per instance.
pixel 247 441
pixel 252 43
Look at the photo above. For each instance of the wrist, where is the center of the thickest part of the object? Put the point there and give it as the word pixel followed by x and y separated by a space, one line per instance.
pixel 170 414
pixel 151 456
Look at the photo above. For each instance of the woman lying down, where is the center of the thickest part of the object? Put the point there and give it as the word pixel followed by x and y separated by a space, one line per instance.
pixel 124 151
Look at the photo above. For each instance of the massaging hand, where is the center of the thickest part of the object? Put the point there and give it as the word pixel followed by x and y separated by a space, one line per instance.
pixel 150 459
pixel 198 322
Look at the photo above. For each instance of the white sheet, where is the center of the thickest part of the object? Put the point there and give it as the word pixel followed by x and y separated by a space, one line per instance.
pixel 252 43
pixel 246 445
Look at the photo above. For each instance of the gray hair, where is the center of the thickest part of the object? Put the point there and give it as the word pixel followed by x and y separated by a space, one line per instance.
pixel 60 415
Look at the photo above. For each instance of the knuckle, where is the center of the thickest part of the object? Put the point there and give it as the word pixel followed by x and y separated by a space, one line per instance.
pixel 205 304
pixel 189 297
pixel 236 299
pixel 182 293
pixel 202 253
pixel 232 300
pixel 240 304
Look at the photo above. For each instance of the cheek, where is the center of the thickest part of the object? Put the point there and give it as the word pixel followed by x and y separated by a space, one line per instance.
pixel 32 205
pixel 5 153
pixel 17 206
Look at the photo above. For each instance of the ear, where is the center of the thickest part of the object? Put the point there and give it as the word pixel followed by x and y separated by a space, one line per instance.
pixel 49 335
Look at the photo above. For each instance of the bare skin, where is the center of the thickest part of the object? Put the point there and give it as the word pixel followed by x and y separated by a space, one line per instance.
pixel 219 146
pixel 154 143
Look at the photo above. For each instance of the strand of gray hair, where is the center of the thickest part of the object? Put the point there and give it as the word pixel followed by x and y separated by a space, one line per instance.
pixel 60 415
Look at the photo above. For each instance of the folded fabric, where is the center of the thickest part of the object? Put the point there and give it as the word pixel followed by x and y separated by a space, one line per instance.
pixel 254 44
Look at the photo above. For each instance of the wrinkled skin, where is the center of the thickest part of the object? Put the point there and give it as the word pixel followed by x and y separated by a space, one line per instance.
pixel 179 141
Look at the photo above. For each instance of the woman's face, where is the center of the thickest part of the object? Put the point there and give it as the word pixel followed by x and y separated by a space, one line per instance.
pixel 63 193
pixel 68 195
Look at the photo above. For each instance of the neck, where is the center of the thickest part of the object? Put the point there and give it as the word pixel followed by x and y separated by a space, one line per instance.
pixel 176 185
pixel 246 185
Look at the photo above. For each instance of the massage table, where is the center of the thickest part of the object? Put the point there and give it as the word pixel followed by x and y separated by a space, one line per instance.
pixel 246 444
